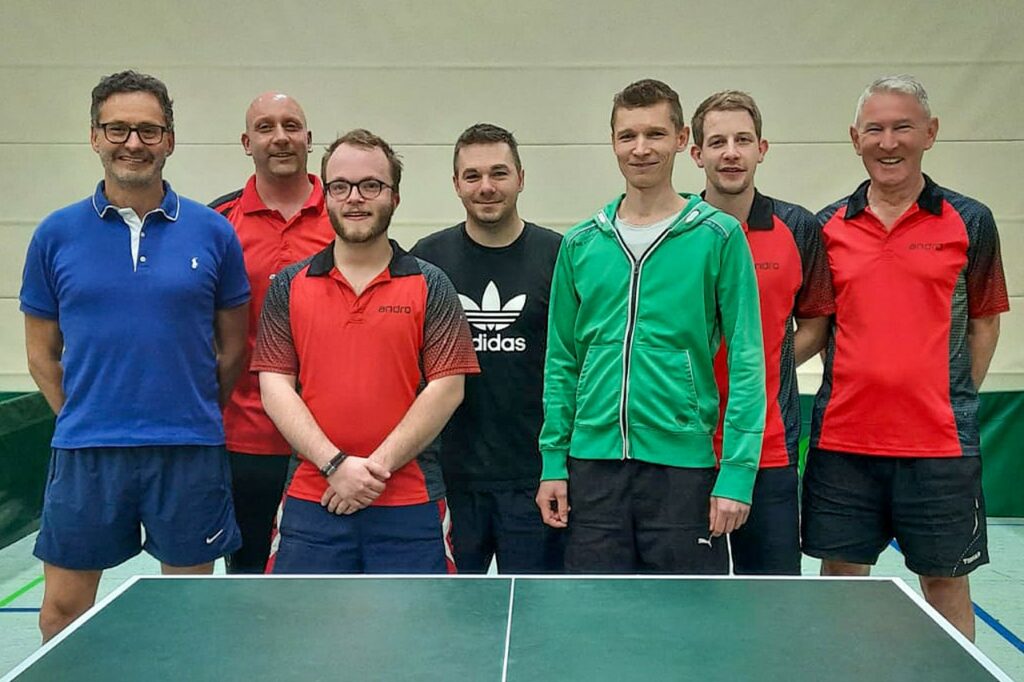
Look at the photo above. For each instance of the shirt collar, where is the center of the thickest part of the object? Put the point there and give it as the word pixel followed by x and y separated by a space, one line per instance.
pixel 761 212
pixel 169 207
pixel 930 199
pixel 251 202
pixel 402 263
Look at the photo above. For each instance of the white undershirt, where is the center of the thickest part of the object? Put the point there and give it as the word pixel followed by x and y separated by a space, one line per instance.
pixel 640 237
pixel 134 223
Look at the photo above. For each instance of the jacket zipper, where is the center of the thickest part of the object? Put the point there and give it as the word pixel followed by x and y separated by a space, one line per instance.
pixel 633 307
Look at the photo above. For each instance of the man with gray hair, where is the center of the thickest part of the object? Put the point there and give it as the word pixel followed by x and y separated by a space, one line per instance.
pixel 919 287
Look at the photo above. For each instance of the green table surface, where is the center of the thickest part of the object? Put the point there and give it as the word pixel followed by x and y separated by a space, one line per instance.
pixel 453 629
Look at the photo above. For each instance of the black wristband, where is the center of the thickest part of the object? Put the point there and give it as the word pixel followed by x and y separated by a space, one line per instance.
pixel 332 466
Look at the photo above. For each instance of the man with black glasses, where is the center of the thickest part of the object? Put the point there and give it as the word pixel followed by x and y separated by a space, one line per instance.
pixel 378 342
pixel 135 321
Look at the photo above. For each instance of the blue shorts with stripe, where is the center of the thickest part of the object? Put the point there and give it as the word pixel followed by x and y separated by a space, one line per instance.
pixel 98 500
pixel 378 539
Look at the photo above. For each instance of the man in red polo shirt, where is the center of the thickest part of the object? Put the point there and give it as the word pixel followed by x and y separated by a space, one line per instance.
pixel 793 284
pixel 919 288
pixel 280 218
pixel 379 343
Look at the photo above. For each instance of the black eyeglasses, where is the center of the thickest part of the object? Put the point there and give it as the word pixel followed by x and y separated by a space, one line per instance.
pixel 118 133
pixel 369 188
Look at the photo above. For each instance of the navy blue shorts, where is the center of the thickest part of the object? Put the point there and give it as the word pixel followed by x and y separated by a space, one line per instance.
pixel 505 524
pixel 98 500
pixel 377 539
pixel 769 542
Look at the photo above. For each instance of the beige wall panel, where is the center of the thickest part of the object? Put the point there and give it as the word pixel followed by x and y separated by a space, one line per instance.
pixel 14 238
pixel 260 32
pixel 13 370
pixel 544 105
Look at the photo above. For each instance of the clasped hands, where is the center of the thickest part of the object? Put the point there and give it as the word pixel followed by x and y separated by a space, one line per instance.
pixel 354 485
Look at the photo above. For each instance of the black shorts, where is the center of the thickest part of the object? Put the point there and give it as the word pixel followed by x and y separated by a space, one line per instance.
pixel 257 487
pixel 506 525
pixel 635 517
pixel 769 542
pixel 853 505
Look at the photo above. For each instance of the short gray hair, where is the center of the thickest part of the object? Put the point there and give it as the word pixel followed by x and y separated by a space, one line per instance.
pixel 904 83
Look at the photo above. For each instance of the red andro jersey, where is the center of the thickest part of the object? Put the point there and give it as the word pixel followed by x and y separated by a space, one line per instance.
pixel 362 360
pixel 269 243
pixel 793 280
pixel 897 378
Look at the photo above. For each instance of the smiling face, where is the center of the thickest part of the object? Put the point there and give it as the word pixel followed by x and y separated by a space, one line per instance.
pixel 646 141
pixel 356 219
pixel 891 135
pixel 487 182
pixel 276 136
pixel 132 164
pixel 731 151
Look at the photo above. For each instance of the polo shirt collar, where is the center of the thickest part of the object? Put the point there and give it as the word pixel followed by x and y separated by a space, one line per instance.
pixel 402 263
pixel 929 200
pixel 250 201
pixel 169 207
pixel 761 212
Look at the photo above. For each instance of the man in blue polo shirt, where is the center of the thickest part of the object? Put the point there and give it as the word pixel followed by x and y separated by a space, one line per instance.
pixel 135 323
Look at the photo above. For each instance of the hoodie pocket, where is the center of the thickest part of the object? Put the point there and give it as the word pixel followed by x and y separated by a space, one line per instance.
pixel 662 390
pixel 599 386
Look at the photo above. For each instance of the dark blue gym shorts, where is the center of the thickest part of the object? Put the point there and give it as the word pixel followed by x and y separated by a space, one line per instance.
pixel 98 500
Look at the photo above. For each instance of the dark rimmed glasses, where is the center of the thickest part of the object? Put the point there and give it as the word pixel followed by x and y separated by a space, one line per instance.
pixel 118 133
pixel 369 188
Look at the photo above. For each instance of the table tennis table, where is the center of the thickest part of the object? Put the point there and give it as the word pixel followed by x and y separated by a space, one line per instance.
pixel 510 629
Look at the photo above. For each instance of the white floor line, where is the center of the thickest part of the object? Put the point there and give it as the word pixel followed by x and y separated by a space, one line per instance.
pixel 508 630
pixel 957 636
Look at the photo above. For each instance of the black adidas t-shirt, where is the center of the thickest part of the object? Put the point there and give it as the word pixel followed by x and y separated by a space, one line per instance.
pixel 491 441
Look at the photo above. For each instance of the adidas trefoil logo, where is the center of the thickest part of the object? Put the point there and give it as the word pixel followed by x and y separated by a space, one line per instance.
pixel 491 315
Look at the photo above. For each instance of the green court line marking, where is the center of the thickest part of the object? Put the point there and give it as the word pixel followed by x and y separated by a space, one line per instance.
pixel 17 593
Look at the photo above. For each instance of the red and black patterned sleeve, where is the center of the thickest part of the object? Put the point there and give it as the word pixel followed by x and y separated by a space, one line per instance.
pixel 447 344
pixel 816 297
pixel 275 349
pixel 986 281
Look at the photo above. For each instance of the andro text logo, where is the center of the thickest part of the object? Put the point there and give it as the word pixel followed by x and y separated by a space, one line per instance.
pixel 927 246
pixel 491 314
pixel 395 309
pixel 768 265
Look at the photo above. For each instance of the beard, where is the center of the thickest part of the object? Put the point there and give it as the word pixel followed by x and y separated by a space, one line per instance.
pixel 126 177
pixel 365 232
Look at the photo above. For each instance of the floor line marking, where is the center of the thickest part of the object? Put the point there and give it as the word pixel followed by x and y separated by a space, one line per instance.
pixel 987 618
pixel 994 623
pixel 20 591
pixel 16 609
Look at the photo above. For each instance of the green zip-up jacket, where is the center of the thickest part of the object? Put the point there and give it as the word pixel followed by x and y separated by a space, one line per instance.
pixel 629 367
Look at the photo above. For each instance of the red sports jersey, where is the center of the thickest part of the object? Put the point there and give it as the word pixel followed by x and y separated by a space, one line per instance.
pixel 362 360
pixel 897 378
pixel 793 281
pixel 270 243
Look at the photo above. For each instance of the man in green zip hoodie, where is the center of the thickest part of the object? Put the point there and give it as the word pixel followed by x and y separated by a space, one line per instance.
pixel 643 295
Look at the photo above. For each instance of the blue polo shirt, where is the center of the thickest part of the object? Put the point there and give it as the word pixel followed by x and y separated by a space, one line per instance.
pixel 139 361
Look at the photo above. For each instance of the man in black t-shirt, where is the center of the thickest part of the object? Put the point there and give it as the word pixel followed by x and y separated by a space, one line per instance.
pixel 501 266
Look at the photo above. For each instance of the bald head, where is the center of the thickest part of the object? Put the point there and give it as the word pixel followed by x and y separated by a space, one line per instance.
pixel 272 101
pixel 276 136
